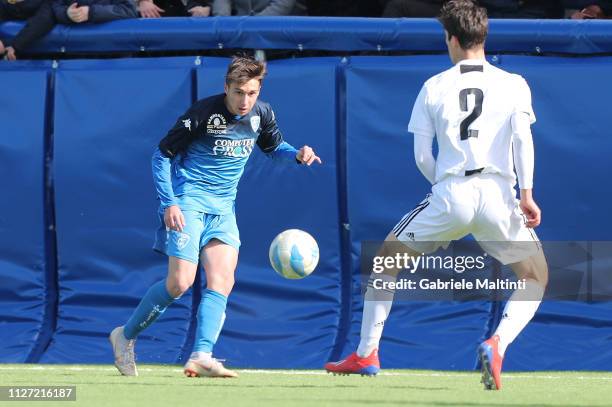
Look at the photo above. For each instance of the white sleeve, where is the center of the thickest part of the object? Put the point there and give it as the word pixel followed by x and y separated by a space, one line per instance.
pixel 523 100
pixel 423 156
pixel 421 121
pixel 522 148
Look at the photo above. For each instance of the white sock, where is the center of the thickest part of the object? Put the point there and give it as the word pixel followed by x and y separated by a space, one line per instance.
pixel 200 355
pixel 519 310
pixel 376 308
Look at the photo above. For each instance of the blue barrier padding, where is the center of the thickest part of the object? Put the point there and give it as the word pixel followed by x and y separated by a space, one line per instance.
pixel 564 336
pixel 109 117
pixel 22 263
pixel 271 321
pixel 346 267
pixel 312 33
pixel 572 143
pixel 572 150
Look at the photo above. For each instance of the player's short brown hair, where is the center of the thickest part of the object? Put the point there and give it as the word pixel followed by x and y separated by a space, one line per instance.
pixel 244 68
pixel 465 20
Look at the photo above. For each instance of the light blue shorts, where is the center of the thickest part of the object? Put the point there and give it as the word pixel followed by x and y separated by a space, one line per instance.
pixel 199 229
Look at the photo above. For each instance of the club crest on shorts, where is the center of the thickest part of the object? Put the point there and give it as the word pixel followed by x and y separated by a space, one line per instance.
pixel 181 240
pixel 255 120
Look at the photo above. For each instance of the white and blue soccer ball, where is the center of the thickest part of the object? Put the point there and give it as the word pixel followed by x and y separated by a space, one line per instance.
pixel 294 254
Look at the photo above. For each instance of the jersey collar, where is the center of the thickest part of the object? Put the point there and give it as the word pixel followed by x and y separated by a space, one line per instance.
pixel 472 62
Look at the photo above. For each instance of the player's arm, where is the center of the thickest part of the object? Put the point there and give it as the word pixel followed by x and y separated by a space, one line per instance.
pixel 423 156
pixel 522 147
pixel 422 126
pixel 178 139
pixel 182 134
pixel 271 142
pixel 162 167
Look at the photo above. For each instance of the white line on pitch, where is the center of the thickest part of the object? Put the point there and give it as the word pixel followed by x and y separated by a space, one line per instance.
pixel 529 375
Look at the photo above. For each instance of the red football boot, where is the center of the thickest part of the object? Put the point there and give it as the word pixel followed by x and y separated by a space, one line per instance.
pixel 354 364
pixel 490 363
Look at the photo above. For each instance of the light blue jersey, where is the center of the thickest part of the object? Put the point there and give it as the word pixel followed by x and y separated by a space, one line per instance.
pixel 199 163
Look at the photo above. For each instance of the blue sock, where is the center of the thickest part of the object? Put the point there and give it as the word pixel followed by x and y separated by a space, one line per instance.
pixel 152 305
pixel 211 315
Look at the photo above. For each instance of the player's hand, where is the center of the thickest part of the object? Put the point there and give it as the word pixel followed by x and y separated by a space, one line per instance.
pixel 173 218
pixel 306 155
pixel 1 48
pixel 148 9
pixel 200 11
pixel 531 211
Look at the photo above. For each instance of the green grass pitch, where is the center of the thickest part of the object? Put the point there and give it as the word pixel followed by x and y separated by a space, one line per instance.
pixel 101 385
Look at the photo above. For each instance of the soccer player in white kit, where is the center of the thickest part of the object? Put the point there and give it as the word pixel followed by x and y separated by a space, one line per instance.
pixel 481 117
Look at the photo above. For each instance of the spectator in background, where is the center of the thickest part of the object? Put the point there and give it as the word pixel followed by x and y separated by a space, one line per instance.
pixel 93 11
pixel 588 9
pixel 523 8
pixel 345 8
pixel 40 21
pixel 174 8
pixel 495 8
pixel 412 8
pixel 258 7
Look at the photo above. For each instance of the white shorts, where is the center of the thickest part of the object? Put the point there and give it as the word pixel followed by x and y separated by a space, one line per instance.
pixel 484 205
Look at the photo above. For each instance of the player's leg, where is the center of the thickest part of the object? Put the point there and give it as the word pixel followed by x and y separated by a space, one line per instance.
pixel 183 251
pixel 519 310
pixel 377 303
pixel 219 257
pixel 504 235
pixel 181 274
pixel 422 230
pixel 523 304
pixel 376 308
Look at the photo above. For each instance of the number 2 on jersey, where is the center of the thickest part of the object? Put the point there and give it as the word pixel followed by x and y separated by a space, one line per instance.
pixel 463 102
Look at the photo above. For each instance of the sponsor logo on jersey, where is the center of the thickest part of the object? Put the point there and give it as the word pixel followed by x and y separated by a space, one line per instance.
pixel 234 148
pixel 255 120
pixel 187 124
pixel 216 124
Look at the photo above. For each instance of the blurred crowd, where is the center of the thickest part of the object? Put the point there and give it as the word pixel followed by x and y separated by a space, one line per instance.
pixel 42 15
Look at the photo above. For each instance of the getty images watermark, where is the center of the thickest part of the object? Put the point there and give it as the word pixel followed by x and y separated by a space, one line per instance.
pixel 458 264
pixel 469 270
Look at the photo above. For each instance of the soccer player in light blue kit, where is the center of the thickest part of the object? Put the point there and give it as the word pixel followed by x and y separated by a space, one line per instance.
pixel 196 170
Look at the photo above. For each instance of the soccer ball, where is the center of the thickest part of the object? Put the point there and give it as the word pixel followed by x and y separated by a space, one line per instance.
pixel 294 254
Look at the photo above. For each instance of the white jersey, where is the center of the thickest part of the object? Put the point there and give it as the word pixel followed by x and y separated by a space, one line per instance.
pixel 468 108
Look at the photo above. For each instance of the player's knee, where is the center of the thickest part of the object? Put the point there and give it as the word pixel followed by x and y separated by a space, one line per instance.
pixel 535 269
pixel 177 286
pixel 541 277
pixel 540 269
pixel 221 282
